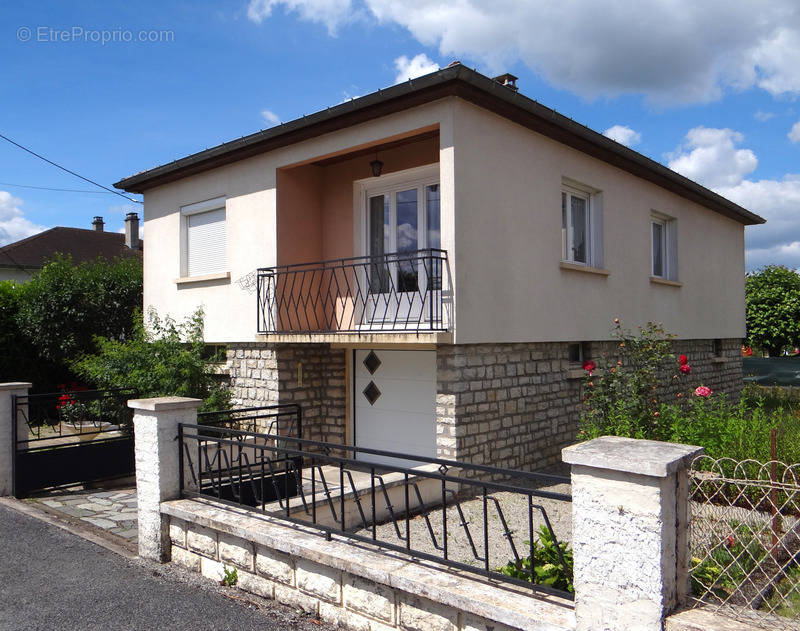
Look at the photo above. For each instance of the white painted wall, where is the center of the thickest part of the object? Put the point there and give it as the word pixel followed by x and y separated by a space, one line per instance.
pixel 17 275
pixel 508 246
pixel 501 223
pixel 250 188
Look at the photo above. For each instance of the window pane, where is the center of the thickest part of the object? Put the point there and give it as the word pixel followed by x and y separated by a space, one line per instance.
pixel 658 249
pixel 564 252
pixel 407 238
pixel 378 241
pixel 432 266
pixel 433 216
pixel 578 245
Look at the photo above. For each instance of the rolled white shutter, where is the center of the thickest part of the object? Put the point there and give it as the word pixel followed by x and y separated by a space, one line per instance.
pixel 206 251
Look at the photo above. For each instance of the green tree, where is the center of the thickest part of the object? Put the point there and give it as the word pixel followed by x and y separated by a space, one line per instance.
pixel 772 297
pixel 160 358
pixel 65 306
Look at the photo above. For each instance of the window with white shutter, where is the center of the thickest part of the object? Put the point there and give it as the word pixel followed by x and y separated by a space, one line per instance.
pixel 205 249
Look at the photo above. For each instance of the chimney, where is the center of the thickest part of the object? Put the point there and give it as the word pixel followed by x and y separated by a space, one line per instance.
pixel 97 224
pixel 508 80
pixel 132 231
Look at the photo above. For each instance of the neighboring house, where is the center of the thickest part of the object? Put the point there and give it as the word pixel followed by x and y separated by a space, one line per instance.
pixel 441 256
pixel 21 260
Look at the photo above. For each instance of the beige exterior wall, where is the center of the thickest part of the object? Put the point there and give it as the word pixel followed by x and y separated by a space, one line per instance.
pixel 501 227
pixel 509 284
pixel 252 224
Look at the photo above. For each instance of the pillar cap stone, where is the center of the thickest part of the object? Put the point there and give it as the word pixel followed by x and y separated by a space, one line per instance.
pixel 15 385
pixel 631 455
pixel 163 404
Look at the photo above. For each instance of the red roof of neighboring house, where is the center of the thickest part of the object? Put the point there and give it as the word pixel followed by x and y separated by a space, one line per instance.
pixel 79 243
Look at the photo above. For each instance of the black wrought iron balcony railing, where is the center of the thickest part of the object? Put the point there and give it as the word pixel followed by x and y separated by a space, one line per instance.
pixel 400 291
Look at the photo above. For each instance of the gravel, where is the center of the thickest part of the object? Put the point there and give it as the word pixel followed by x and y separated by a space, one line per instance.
pixel 514 507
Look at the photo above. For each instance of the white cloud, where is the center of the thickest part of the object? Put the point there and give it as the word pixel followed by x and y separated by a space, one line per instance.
pixel 762 116
pixel 412 68
pixel 13 225
pixel 794 132
pixel 331 13
pixel 670 51
pixel 623 135
pixel 270 117
pixel 710 156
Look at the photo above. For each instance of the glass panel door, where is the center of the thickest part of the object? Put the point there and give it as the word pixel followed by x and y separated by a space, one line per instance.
pixel 407 237
pixel 379 241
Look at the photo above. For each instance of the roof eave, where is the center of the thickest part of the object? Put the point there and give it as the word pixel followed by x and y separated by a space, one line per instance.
pixel 457 81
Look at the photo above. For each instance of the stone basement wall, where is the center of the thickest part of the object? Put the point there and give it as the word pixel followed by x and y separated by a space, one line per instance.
pixel 517 405
pixel 266 374
pixel 349 586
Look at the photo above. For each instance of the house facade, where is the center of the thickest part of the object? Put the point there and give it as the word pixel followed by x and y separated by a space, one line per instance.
pixel 424 268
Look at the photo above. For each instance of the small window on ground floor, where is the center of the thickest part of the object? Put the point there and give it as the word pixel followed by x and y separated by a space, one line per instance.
pixel 579 352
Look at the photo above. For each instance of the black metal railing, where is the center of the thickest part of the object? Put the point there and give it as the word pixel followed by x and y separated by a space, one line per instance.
pixel 401 291
pixel 46 418
pixel 454 513
pixel 285 419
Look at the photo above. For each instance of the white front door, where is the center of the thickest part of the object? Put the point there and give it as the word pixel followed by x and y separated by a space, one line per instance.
pixel 395 403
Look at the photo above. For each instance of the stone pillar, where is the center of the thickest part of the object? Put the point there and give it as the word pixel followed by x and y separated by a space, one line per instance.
pixel 630 507
pixel 7 446
pixel 155 427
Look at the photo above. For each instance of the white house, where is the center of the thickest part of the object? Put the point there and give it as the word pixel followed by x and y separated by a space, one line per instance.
pixel 434 260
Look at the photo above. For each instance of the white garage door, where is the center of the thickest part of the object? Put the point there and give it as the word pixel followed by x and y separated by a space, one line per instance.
pixel 395 403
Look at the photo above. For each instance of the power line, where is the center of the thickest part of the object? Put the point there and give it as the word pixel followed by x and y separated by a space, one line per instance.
pixel 60 190
pixel 85 179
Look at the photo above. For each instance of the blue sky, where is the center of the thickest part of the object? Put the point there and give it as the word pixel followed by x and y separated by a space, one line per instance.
pixel 708 88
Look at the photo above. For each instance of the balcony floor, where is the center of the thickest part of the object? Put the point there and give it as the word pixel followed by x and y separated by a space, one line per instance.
pixel 371 338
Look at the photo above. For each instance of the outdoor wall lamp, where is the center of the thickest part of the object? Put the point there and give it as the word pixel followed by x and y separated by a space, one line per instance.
pixel 377 166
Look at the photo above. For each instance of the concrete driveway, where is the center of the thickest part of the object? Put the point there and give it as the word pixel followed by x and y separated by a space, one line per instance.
pixel 52 579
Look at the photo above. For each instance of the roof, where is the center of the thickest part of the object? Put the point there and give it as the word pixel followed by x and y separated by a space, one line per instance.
pixel 454 80
pixel 82 245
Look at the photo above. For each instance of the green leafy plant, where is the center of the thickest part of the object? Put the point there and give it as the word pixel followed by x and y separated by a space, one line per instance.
pixel 621 389
pixel 231 577
pixel 160 358
pixel 548 567
pixel 772 299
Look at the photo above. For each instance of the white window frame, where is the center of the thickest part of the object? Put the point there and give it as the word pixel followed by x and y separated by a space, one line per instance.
pixel 594 223
pixel 210 205
pixel 416 177
pixel 669 246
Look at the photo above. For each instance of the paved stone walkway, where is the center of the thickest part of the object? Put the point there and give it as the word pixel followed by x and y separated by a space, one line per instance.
pixel 114 511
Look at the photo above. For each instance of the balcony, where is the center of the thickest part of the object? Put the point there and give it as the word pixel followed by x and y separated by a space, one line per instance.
pixel 400 292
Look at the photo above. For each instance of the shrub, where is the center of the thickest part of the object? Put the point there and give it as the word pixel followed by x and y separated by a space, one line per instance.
pixel 548 567
pixel 621 392
pixel 162 358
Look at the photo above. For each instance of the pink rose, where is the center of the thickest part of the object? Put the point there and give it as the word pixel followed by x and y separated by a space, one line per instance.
pixel 702 391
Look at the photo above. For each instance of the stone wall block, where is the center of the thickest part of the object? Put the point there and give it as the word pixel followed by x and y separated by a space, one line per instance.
pixel 257 585
pixel 202 540
pixel 236 551
pixel 418 614
pixel 370 599
pixel 275 566
pixel 319 580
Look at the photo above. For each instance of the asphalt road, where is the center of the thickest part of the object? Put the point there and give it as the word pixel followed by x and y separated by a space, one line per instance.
pixel 51 579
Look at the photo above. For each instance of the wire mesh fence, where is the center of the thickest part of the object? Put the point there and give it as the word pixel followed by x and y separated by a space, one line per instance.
pixel 745 540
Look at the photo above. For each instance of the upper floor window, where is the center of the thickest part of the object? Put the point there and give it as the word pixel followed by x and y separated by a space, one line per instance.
pixel 581 226
pixel 664 251
pixel 204 249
